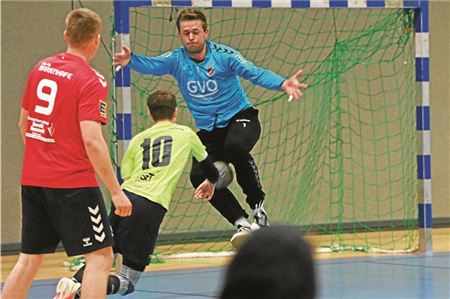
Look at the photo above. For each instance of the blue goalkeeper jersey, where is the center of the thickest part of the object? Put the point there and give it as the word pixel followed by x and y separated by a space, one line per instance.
pixel 211 88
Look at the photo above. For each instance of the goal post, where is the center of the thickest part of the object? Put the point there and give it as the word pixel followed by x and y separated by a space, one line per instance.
pixel 348 162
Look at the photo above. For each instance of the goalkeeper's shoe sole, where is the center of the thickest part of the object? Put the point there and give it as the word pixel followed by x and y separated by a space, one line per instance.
pixel 243 234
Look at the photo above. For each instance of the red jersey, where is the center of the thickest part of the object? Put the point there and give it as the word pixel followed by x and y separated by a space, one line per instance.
pixel 61 91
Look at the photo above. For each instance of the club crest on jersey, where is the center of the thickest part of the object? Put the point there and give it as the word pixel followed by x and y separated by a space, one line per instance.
pixel 210 71
pixel 103 106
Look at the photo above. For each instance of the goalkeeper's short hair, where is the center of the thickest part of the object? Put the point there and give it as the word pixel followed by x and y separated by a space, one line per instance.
pixel 190 14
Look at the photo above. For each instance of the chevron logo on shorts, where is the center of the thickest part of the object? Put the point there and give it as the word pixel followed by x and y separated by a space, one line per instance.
pixel 97 224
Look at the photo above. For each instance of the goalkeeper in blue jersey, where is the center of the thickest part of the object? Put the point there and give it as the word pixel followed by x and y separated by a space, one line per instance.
pixel 151 169
pixel 208 77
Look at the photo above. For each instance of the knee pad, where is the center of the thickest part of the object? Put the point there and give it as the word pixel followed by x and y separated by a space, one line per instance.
pixel 130 266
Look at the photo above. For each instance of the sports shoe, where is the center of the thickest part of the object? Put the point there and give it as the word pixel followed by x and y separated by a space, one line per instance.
pixel 260 215
pixel 67 288
pixel 242 235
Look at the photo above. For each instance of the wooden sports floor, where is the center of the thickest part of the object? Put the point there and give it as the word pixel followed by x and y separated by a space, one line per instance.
pixel 340 275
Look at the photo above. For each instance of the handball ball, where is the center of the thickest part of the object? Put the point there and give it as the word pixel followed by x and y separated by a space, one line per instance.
pixel 225 174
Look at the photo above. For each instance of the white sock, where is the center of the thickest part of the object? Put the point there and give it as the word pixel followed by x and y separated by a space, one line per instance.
pixel 242 222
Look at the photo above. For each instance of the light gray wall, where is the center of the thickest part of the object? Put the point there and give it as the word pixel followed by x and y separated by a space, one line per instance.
pixel 33 30
pixel 440 106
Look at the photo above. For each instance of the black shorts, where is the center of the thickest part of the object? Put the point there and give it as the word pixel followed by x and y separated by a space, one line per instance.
pixel 75 216
pixel 135 236
pixel 243 130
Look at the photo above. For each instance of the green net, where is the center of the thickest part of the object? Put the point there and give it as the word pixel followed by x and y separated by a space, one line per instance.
pixel 340 163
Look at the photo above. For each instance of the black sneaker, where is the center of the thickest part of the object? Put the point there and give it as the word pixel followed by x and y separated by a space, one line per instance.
pixel 260 215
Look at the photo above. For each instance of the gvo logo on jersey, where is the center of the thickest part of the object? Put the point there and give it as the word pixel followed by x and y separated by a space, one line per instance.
pixel 198 89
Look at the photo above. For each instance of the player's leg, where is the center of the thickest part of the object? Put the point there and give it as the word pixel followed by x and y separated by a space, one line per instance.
pixel 227 205
pixel 96 273
pixel 223 200
pixel 130 235
pixel 244 131
pixel 82 222
pixel 135 238
pixel 19 280
pixel 38 237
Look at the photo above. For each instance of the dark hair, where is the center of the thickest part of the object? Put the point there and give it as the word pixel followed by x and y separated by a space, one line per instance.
pixel 190 14
pixel 161 104
pixel 276 262
pixel 82 25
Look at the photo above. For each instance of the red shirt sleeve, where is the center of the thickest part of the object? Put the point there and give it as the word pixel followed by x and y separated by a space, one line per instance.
pixel 28 93
pixel 93 98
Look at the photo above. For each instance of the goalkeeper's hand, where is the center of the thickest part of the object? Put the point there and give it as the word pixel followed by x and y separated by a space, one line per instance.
pixel 293 86
pixel 123 58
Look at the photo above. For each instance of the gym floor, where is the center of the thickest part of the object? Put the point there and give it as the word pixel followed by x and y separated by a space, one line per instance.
pixel 340 275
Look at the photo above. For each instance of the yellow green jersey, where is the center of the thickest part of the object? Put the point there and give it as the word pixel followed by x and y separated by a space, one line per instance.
pixel 155 160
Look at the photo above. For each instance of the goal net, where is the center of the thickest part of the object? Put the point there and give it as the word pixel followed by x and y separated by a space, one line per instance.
pixel 341 163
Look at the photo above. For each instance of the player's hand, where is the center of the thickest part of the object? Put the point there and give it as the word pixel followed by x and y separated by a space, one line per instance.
pixel 122 204
pixel 293 86
pixel 205 190
pixel 122 58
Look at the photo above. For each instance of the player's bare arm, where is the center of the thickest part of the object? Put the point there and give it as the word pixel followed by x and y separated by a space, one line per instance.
pixel 97 151
pixel 293 87
pixel 23 123
pixel 122 58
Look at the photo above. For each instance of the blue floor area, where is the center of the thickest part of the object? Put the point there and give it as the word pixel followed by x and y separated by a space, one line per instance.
pixel 403 276
pixel 410 276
